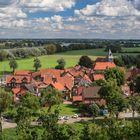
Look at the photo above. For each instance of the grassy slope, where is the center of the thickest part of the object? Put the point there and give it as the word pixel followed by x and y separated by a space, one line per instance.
pixel 70 57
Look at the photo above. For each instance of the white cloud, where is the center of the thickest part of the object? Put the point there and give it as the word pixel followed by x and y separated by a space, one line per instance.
pixel 47 5
pixel 110 8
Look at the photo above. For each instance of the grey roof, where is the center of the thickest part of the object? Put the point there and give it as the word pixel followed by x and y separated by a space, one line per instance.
pixel 91 92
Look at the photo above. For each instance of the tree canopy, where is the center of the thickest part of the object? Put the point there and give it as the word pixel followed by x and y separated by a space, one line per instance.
pixel 86 62
pixel 13 64
pixel 61 64
pixel 37 64
pixel 115 73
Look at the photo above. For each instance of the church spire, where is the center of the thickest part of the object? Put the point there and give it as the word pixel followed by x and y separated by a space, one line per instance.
pixel 110 56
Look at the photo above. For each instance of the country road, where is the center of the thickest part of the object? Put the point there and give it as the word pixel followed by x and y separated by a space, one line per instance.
pixel 6 124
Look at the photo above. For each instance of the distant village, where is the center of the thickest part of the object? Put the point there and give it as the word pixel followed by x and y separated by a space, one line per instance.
pixel 74 82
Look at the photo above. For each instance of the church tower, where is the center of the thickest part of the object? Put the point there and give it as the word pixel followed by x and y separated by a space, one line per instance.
pixel 110 56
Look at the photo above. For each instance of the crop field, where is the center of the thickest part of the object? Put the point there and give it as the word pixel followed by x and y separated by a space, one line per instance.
pixel 71 58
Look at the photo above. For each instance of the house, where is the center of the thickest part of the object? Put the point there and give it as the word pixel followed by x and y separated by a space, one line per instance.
pixel 89 95
pixel 17 81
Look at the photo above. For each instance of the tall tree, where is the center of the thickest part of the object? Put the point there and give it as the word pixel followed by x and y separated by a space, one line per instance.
pixel 27 106
pixel 61 64
pixel 5 101
pixel 86 62
pixel 51 97
pixel 13 64
pixel 94 109
pixel 114 99
pixel 85 135
pixel 37 64
pixel 134 104
pixel 115 73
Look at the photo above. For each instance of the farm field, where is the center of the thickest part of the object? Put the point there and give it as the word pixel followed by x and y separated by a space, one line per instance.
pixel 136 49
pixel 71 58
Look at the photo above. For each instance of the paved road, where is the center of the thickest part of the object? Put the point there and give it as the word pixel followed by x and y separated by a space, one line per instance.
pixel 71 120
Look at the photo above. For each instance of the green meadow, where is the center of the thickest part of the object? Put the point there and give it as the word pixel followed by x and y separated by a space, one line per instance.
pixel 71 58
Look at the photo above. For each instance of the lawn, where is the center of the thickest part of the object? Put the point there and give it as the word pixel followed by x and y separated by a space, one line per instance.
pixel 49 61
pixel 66 109
pixel 9 134
pixel 136 49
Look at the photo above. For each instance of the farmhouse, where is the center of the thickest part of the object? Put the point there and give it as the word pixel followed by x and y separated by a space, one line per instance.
pixel 89 95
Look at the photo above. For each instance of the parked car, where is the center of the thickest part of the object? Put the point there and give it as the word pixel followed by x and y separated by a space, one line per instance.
pixel 75 116
pixel 66 117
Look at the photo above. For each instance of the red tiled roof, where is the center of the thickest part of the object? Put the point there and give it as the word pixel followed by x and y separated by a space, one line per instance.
pixel 98 77
pixel 77 98
pixel 16 90
pixel 66 80
pixel 86 78
pixel 18 79
pixel 53 72
pixel 22 72
pixel 104 65
pixel 58 86
pixel 19 90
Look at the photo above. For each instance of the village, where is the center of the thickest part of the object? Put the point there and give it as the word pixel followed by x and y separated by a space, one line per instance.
pixel 75 83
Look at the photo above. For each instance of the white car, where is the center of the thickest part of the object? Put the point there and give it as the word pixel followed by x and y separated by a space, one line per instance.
pixel 66 117
pixel 75 116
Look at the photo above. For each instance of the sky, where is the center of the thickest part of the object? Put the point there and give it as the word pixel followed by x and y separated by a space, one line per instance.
pixel 102 19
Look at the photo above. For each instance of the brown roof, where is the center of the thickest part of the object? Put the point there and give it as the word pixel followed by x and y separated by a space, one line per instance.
pixel 101 59
pixel 91 92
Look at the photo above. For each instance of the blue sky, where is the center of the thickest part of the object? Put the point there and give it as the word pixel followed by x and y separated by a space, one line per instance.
pixel 114 19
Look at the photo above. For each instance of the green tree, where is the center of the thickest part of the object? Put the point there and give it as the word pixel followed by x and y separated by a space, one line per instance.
pixel 13 64
pixel 51 97
pixel 114 99
pixel 37 64
pixel 94 109
pixel 134 103
pixel 50 48
pixel 86 62
pixel 61 64
pixel 119 62
pixel 115 73
pixel 5 101
pixel 85 134
pixel 3 55
pixel 27 106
